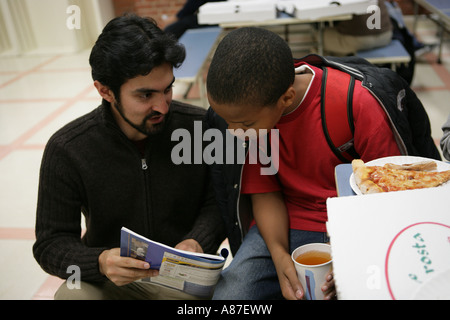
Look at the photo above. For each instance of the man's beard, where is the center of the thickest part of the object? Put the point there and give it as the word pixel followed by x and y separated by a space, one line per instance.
pixel 142 128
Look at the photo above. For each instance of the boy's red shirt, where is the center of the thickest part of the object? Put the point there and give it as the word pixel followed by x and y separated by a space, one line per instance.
pixel 306 166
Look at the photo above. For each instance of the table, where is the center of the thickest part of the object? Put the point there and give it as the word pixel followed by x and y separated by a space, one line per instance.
pixel 285 20
pixel 441 8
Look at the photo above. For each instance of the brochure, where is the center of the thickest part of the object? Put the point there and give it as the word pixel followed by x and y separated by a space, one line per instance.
pixel 194 273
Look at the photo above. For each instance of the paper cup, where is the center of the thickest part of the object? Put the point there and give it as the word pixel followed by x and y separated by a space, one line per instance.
pixel 312 277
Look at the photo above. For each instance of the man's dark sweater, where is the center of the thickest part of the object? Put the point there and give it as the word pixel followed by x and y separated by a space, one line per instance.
pixel 90 166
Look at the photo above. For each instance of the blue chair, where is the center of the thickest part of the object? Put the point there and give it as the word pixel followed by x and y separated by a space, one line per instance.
pixel 200 44
pixel 394 53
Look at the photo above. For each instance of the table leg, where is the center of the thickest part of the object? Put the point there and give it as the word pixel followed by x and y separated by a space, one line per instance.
pixel 320 38
pixel 441 40
pixel 416 16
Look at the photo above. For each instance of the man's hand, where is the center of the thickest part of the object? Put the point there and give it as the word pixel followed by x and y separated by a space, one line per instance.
pixel 123 270
pixel 189 245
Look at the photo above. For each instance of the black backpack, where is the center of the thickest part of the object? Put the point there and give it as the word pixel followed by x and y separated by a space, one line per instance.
pixel 409 120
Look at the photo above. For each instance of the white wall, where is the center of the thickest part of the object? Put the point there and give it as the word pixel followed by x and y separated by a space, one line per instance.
pixel 40 26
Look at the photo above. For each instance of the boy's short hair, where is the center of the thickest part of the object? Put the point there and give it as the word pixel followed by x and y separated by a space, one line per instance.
pixel 130 46
pixel 251 66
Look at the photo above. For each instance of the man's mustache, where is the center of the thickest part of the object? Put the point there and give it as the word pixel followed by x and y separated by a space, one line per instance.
pixel 153 114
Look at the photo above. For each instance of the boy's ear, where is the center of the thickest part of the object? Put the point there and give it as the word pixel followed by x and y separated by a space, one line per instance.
pixel 104 91
pixel 287 98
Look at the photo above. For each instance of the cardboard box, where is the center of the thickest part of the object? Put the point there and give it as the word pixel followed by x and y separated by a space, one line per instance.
pixel 393 245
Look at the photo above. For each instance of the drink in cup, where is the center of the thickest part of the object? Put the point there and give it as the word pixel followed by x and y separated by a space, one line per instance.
pixel 312 262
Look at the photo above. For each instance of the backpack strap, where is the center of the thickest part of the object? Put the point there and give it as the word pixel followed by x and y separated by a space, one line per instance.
pixel 337 113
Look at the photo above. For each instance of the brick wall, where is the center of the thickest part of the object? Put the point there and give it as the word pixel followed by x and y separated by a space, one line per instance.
pixel 157 8
pixel 149 8
pixel 407 7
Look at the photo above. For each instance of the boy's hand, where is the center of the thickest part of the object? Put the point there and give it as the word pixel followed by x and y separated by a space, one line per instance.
pixel 291 287
pixel 329 289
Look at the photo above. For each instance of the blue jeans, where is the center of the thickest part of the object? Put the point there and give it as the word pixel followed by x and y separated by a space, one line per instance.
pixel 251 274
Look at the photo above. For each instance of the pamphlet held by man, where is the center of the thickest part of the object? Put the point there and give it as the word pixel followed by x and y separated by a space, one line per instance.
pixel 194 273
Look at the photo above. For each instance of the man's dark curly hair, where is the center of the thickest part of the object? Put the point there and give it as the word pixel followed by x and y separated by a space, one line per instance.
pixel 130 46
pixel 251 66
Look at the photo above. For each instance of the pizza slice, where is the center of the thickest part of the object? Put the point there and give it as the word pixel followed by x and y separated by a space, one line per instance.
pixel 418 166
pixel 390 177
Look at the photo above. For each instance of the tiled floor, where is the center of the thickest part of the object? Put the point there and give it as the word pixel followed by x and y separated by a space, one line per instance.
pixel 38 94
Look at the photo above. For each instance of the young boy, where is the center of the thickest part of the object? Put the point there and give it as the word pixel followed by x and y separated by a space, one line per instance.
pixel 252 84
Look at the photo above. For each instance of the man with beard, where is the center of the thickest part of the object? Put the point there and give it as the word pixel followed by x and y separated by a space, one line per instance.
pixel 114 166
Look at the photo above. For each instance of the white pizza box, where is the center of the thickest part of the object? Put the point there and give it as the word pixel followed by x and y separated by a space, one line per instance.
pixel 234 11
pixel 393 245
pixel 316 9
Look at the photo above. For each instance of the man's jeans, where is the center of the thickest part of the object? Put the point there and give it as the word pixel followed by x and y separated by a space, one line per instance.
pixel 251 274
